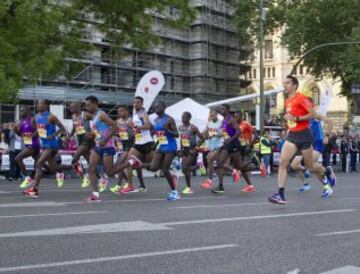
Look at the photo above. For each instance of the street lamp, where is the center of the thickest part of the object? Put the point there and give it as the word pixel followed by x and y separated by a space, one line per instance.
pixel 261 48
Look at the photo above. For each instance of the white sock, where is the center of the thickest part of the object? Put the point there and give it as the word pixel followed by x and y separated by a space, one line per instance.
pixel 97 194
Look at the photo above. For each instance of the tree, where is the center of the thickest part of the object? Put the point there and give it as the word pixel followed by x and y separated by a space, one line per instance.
pixel 309 23
pixel 36 36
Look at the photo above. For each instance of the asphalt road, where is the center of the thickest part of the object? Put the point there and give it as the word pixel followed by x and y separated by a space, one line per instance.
pixel 202 233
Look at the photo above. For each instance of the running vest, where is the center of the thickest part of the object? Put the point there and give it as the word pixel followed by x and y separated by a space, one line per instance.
pixel 27 129
pixel 214 130
pixel 124 132
pixel 264 149
pixel 187 138
pixel 316 130
pixel 228 131
pixel 142 136
pixel 166 141
pixel 80 124
pixel 45 129
pixel 101 130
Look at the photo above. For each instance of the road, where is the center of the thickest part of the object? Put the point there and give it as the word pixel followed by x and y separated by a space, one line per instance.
pixel 203 233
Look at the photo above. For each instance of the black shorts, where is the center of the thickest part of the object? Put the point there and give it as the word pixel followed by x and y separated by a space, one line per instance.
pixel 244 151
pixel 127 145
pixel 301 139
pixel 145 148
pixel 232 147
pixel 185 152
pixel 82 141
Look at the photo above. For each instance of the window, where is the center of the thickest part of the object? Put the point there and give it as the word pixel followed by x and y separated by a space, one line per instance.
pixel 316 95
pixel 273 72
pixel 268 49
pixel 254 74
pixel 269 72
pixel 301 70
pixel 249 74
pixel 264 72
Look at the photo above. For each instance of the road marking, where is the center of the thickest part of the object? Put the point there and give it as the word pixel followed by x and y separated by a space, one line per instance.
pixel 351 198
pixel 33 204
pixel 221 205
pixel 338 233
pixel 100 228
pixel 204 221
pixel 295 271
pixel 53 214
pixel 116 258
pixel 4 192
pixel 349 269
pixel 142 200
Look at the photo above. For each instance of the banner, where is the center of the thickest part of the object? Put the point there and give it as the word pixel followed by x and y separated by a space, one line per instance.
pixel 325 101
pixel 149 87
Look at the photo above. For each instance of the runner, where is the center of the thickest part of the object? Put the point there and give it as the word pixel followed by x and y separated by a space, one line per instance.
pixel 230 149
pixel 46 124
pixel 318 147
pixel 81 128
pixel 26 128
pixel 213 133
pixel 166 132
pixel 188 143
pixel 299 110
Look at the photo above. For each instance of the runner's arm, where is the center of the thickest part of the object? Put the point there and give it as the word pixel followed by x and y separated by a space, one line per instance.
pixel 328 122
pixel 235 125
pixel 147 124
pixel 110 122
pixel 171 128
pixel 56 121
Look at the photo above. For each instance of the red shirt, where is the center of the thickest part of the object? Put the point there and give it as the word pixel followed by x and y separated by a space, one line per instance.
pixel 297 106
pixel 246 132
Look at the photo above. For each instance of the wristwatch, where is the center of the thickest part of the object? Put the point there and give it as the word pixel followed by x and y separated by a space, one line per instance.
pixel 297 118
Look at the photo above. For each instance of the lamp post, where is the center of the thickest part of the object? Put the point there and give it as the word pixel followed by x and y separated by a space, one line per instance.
pixel 261 74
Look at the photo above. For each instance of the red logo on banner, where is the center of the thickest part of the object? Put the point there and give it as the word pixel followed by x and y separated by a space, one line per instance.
pixel 154 81
pixel 146 89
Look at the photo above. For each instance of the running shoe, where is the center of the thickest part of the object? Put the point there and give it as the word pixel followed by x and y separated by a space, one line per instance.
pixel 115 189
pixel 305 187
pixel 85 181
pixel 306 173
pixel 103 182
pixel 277 199
pixel 327 191
pixel 27 182
pixel 207 184
pixel 92 198
pixel 127 188
pixel 263 170
pixel 218 190
pixel 78 169
pixel 173 196
pixel 31 193
pixel 135 162
pixel 236 176
pixel 330 175
pixel 140 189
pixel 187 191
pixel 248 188
pixel 60 179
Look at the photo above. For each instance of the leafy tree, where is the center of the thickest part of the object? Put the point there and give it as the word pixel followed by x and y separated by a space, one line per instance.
pixel 309 23
pixel 36 36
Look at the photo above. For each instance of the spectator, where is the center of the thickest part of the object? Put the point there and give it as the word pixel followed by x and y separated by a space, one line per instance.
pixel 15 144
pixel 353 148
pixel 334 148
pixel 4 148
pixel 265 150
pixel 6 131
pixel 344 150
pixel 327 151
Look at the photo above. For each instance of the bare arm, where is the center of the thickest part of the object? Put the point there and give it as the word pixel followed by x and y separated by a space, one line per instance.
pixel 56 121
pixel 235 125
pixel 147 124
pixel 328 122
pixel 171 127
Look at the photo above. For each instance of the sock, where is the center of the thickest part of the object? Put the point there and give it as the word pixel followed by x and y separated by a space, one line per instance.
pixel 97 194
pixel 282 192
pixel 306 184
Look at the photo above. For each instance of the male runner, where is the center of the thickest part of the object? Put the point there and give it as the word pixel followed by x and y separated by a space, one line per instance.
pixel 26 128
pixel 46 124
pixel 299 110
pixel 188 143
pixel 230 149
pixel 213 133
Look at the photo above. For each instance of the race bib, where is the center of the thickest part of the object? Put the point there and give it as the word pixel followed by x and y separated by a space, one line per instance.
pixel 41 130
pixel 138 136
pixel 185 141
pixel 79 129
pixel 243 142
pixel 212 132
pixel 123 134
pixel 96 134
pixel 27 139
pixel 119 145
pixel 225 134
pixel 291 124
pixel 161 138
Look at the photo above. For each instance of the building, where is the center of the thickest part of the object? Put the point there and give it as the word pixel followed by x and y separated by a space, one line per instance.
pixel 277 65
pixel 202 62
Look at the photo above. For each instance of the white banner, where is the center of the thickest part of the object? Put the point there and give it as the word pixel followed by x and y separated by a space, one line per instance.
pixel 325 101
pixel 149 87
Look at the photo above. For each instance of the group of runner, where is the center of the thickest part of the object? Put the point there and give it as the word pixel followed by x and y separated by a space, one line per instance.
pixel 139 144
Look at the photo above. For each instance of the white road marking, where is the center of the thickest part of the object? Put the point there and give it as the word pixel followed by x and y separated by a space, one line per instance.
pixel 349 269
pixel 115 258
pixel 33 204
pixel 338 233
pixel 220 205
pixel 100 228
pixel 295 271
pixel 351 198
pixel 204 221
pixel 52 214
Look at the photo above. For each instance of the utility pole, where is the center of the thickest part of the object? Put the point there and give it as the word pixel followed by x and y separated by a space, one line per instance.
pixel 261 48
